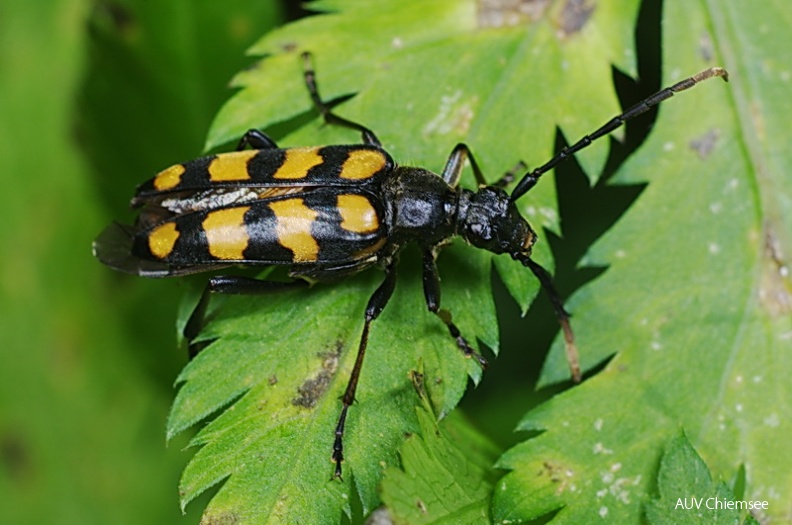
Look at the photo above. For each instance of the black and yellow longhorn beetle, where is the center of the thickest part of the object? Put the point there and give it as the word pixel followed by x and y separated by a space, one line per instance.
pixel 330 211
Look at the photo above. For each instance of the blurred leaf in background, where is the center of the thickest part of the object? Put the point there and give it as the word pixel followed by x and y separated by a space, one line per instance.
pixel 87 359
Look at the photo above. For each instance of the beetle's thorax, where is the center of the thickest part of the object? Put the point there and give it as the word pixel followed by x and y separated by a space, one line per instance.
pixel 489 219
pixel 421 206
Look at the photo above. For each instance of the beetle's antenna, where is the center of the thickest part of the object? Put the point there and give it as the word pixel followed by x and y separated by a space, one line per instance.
pixel 530 179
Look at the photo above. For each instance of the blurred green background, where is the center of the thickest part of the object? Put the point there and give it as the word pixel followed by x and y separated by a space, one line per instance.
pixel 95 97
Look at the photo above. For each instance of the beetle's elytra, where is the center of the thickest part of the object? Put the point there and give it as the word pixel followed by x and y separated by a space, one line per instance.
pixel 331 211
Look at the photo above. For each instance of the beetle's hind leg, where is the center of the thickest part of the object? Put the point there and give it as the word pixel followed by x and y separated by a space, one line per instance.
pixel 329 117
pixel 233 285
pixel 375 306
pixel 431 282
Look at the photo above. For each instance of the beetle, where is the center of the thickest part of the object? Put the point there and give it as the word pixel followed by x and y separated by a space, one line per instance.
pixel 330 211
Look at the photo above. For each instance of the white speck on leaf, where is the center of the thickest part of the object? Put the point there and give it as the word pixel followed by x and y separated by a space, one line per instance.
pixel 453 114
pixel 548 213
pixel 599 448
pixel 772 420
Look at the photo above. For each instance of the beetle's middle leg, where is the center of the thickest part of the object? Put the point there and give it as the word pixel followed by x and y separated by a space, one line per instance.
pixel 510 175
pixel 431 283
pixel 257 140
pixel 233 285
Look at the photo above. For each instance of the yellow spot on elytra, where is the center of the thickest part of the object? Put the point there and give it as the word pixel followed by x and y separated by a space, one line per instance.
pixel 226 233
pixel 362 164
pixel 169 178
pixel 357 214
pixel 162 238
pixel 294 229
pixel 298 162
pixel 231 166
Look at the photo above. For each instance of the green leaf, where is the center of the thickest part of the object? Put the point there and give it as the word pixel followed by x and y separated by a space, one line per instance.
pixel 425 76
pixel 291 356
pixel 446 473
pixel 695 302
pixel 688 494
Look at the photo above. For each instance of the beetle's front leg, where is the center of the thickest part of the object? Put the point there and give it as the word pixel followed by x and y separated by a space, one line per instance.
pixel 431 283
pixel 561 314
pixel 233 285
pixel 456 161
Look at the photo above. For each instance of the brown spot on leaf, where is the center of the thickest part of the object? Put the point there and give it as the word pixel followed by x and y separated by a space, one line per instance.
pixel 575 15
pixel 557 474
pixel 706 49
pixel 118 15
pixel 551 471
pixel 417 380
pixel 705 144
pixel 14 456
pixel 312 389
pixel 775 288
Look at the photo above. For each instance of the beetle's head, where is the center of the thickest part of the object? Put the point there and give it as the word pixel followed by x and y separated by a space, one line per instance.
pixel 489 219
